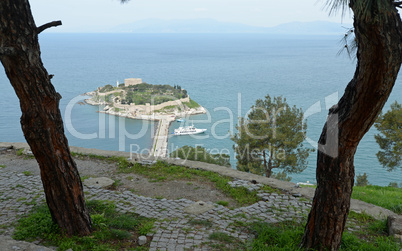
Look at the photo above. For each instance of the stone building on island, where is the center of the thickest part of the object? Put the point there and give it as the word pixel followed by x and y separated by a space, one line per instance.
pixel 132 81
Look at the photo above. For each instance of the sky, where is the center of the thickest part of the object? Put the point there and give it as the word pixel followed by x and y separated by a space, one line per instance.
pixel 101 15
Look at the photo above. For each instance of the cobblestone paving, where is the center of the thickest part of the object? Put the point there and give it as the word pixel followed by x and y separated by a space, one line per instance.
pixel 175 229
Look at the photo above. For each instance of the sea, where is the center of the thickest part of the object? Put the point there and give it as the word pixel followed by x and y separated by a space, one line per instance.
pixel 225 73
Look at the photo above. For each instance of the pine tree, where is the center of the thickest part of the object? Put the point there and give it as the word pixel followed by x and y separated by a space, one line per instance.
pixel 390 137
pixel 41 118
pixel 271 136
pixel 378 34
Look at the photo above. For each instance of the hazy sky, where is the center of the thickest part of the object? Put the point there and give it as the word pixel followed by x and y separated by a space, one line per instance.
pixel 97 15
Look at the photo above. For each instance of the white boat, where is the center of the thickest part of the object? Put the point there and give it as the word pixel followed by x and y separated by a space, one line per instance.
pixel 180 120
pixel 188 130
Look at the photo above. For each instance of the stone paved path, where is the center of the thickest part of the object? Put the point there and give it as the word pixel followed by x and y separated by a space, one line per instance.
pixel 176 229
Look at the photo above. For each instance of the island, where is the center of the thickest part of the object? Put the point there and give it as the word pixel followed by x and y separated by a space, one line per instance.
pixel 139 100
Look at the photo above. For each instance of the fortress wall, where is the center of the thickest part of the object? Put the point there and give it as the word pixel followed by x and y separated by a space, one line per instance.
pixel 146 108
pixel 150 108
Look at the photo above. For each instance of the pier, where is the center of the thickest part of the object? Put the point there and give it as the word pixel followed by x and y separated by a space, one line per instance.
pixel 160 143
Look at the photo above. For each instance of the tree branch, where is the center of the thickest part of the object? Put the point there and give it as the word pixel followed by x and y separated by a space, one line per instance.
pixel 398 4
pixel 48 25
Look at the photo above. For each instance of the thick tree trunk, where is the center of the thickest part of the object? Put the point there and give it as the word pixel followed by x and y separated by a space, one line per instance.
pixel 41 119
pixel 378 37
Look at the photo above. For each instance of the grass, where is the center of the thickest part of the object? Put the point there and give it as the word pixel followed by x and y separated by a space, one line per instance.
pixel 191 104
pixel 111 230
pixel 169 108
pixel 89 156
pixel 2 166
pixel 116 184
pixel 386 197
pixel 85 177
pixel 223 203
pixel 223 237
pixel 20 152
pixel 288 235
pixel 162 171
pixel 224 241
pixel 27 173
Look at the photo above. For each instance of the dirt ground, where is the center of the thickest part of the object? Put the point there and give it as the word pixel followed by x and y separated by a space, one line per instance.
pixel 175 189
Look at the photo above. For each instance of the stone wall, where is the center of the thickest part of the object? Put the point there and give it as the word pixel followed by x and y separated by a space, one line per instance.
pixel 148 108
pixel 151 108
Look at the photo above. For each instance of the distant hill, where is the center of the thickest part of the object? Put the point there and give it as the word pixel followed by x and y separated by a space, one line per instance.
pixel 317 27
pixel 213 26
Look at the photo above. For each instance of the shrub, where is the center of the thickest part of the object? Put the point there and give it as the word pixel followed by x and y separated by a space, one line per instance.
pixel 361 180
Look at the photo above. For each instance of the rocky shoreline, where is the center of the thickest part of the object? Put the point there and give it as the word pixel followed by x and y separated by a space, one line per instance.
pixel 155 116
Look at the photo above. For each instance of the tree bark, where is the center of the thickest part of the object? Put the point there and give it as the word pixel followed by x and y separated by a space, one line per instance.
pixel 378 36
pixel 41 119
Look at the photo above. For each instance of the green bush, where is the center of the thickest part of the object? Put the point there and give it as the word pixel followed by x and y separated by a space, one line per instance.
pixel 361 180
pixel 107 88
pixel 108 226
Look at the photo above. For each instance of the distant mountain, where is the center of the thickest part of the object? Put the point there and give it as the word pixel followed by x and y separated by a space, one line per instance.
pixel 213 26
pixel 317 27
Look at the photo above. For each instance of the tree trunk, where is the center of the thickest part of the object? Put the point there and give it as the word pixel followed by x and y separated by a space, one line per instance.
pixel 266 166
pixel 378 36
pixel 41 119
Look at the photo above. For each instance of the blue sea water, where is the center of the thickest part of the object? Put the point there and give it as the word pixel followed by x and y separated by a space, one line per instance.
pixel 225 73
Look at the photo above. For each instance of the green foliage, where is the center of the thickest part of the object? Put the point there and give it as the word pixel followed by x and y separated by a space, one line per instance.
pixel 153 94
pixel 27 173
pixel 390 138
pixel 271 136
pixel 37 224
pixel 106 88
pixel 386 197
pixel 201 154
pixel 20 152
pixel 284 236
pixel 109 98
pixel 191 104
pixel 220 236
pixel 281 176
pixel 288 235
pixel 111 230
pixel 223 203
pixel 361 180
pixel 352 243
pixel 146 227
pixel 116 184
